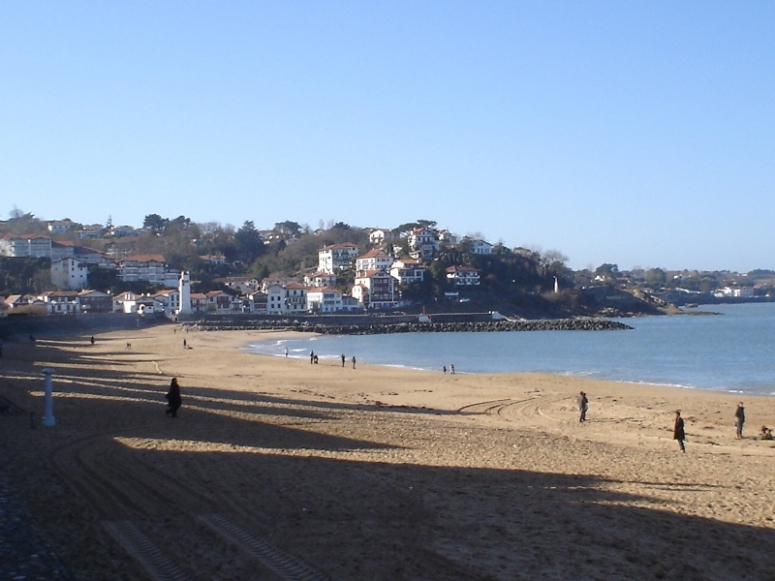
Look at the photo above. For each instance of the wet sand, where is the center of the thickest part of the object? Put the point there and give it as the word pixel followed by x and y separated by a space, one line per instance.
pixel 278 469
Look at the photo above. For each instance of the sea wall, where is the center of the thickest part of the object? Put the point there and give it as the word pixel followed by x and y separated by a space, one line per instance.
pixel 414 327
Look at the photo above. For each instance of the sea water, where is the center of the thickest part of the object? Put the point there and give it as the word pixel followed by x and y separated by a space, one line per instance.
pixel 731 351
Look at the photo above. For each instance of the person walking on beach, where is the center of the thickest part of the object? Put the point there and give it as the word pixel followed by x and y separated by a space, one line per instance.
pixel 678 430
pixel 353 361
pixel 444 369
pixel 583 403
pixel 739 421
pixel 343 359
pixel 452 368
pixel 174 399
pixel 311 357
pixel 286 352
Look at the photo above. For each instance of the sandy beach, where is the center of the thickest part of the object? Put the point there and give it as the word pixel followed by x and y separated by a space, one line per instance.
pixel 279 469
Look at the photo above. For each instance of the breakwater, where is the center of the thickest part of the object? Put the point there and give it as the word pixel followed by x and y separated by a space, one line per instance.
pixel 586 324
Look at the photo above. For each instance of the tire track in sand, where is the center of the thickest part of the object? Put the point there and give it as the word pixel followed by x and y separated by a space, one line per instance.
pixel 543 411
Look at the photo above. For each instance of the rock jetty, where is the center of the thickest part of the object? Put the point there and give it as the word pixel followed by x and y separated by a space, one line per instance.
pixel 585 324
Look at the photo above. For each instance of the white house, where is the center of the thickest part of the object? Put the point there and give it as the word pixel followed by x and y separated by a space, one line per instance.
pixel 374 259
pixel 169 298
pixel 381 235
pixel 423 243
pixel 447 237
pixel 69 273
pixel 255 302
pixel 267 283
pixel 324 300
pixel 241 284
pixel 463 275
pixel 288 299
pixel 60 226
pixel 91 231
pixel 337 257
pixel 320 279
pixel 408 271
pixel 219 301
pixel 376 289
pixel 60 302
pixel 119 299
pixel 481 247
pixel 121 231
pixel 148 267
pixel 736 292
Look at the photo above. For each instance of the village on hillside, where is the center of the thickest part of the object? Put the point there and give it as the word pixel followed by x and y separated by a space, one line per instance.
pixel 173 267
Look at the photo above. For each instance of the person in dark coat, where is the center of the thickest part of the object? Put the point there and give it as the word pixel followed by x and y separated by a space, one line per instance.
pixel 739 421
pixel 174 399
pixel 678 430
pixel 583 404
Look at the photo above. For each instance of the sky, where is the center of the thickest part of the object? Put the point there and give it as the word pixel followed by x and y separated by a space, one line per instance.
pixel 638 133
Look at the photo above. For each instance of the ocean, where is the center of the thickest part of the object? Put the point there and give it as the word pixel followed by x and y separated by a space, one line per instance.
pixel 730 352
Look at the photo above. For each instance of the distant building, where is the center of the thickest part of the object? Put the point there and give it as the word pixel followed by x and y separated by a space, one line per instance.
pixel 320 279
pixel 462 275
pixel 93 301
pixel 408 271
pixel 324 300
pixel 69 274
pixel 744 292
pixel 481 247
pixel 447 237
pixel 269 282
pixel 376 289
pixel 147 267
pixel 61 250
pixel 255 302
pixel 169 299
pixel 241 284
pixel 423 244
pixel 213 258
pixel 60 226
pixel 288 299
pixel 25 246
pixel 91 231
pixel 60 302
pixel 337 257
pixel 374 259
pixel 381 235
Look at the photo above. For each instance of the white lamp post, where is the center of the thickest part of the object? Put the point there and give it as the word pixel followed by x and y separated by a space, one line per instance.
pixel 48 399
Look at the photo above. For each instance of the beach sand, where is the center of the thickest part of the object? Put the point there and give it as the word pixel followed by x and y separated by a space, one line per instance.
pixel 279 469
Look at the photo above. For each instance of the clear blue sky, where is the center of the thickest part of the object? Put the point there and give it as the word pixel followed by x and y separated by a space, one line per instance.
pixel 640 133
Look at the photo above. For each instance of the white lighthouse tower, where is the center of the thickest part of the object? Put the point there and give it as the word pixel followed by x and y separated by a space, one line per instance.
pixel 184 288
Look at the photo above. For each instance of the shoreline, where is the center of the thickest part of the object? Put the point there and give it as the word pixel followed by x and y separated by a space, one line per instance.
pixel 311 336
pixel 375 472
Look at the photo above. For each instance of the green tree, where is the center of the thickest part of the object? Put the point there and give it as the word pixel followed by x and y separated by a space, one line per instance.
pixel 656 277
pixel 608 270
pixel 248 242
pixel 155 223
pixel 104 279
pixel 288 228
